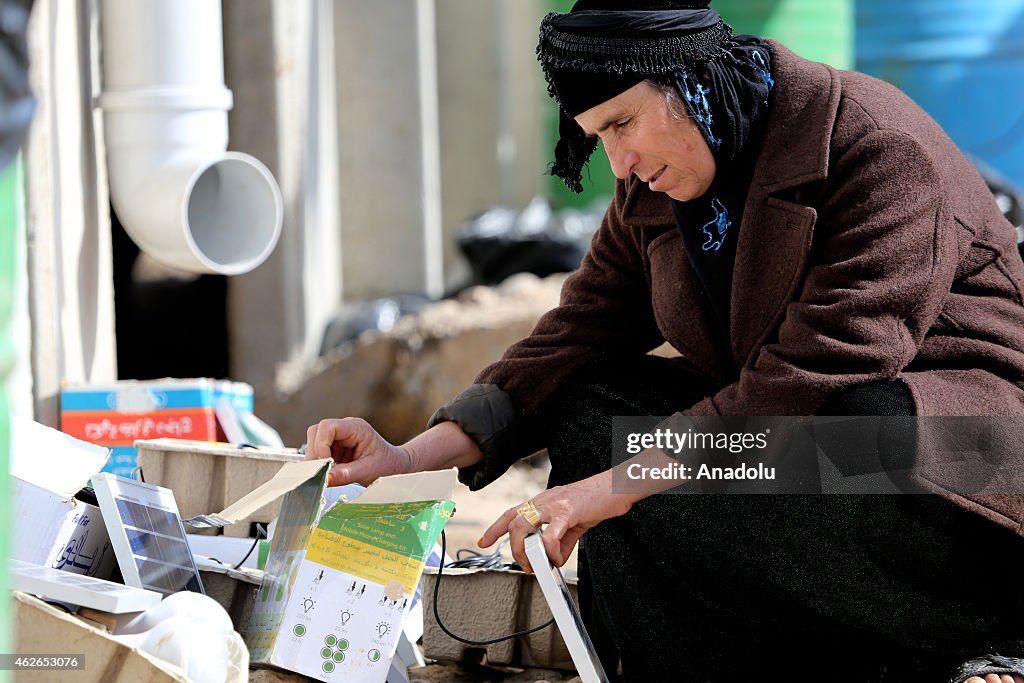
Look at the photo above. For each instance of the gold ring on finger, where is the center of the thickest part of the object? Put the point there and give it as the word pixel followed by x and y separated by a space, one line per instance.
pixel 530 513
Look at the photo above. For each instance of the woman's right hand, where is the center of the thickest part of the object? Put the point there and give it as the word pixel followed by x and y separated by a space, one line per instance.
pixel 360 454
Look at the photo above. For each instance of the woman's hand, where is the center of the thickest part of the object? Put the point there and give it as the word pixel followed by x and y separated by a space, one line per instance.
pixel 568 511
pixel 360 454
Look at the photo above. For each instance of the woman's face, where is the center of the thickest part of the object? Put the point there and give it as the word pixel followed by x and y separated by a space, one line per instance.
pixel 642 137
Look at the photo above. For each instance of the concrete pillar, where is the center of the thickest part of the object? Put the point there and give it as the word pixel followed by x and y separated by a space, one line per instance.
pixel 70 271
pixel 357 139
pixel 490 90
pixel 388 147
pixel 275 55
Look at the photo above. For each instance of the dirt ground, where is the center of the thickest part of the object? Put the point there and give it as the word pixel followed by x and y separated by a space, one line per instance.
pixel 447 672
pixel 442 672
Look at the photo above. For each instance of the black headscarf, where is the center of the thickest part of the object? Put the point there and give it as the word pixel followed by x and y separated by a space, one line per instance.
pixel 602 48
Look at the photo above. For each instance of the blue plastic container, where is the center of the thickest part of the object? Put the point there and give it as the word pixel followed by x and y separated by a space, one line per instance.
pixel 962 61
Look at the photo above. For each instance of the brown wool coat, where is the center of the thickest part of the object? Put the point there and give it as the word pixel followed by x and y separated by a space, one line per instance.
pixel 870 248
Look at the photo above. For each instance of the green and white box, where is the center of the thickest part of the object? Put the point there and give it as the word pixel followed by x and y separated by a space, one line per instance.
pixel 336 591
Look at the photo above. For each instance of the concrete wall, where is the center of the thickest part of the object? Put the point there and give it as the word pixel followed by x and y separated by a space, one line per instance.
pixel 388 148
pixel 405 118
pixel 490 90
pixel 272 54
pixel 70 271
pixel 385 123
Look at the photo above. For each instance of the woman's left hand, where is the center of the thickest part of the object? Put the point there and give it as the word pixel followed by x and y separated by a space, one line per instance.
pixel 567 510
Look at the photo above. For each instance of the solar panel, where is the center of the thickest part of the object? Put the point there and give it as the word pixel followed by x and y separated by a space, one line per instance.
pixel 77 589
pixel 567 617
pixel 146 534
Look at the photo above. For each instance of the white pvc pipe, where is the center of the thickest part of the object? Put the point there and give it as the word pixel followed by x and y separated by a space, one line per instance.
pixel 178 194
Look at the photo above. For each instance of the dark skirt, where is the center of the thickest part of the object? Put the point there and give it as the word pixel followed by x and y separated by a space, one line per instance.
pixel 725 587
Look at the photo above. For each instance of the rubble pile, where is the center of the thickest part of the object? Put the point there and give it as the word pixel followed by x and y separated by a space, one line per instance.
pixel 396 380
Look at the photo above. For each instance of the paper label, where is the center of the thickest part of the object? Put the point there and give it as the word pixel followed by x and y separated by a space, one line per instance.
pixel 379 543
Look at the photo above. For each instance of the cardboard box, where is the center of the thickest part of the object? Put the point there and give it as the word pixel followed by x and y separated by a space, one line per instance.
pixel 207 476
pixel 58 532
pixel 51 527
pixel 480 604
pixel 234 589
pixel 42 628
pixel 116 415
pixel 337 589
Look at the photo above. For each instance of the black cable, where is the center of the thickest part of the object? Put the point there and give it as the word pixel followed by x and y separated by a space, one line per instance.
pixel 58 605
pixel 437 586
pixel 480 561
pixel 260 532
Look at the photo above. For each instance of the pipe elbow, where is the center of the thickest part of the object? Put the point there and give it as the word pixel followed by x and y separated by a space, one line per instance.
pixel 178 194
pixel 208 213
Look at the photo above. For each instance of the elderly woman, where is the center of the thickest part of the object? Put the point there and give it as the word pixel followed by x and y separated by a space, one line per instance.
pixel 811 243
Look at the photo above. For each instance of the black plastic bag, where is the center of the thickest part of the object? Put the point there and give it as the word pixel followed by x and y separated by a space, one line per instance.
pixel 502 242
pixel 1009 197
pixel 379 315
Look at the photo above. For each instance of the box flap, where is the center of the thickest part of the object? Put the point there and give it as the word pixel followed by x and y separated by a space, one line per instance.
pixel 226 450
pixel 410 488
pixel 52 460
pixel 290 476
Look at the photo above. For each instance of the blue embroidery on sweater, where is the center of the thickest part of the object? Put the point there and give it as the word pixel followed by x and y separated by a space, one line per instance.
pixel 717 228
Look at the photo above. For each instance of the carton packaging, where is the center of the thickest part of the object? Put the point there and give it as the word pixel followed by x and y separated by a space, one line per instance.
pixel 511 600
pixel 44 628
pixel 234 589
pixel 337 588
pixel 52 527
pixel 63 533
pixel 208 476
pixel 115 415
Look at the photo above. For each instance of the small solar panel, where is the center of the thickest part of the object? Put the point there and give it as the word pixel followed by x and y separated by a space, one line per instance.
pixel 563 608
pixel 146 533
pixel 77 589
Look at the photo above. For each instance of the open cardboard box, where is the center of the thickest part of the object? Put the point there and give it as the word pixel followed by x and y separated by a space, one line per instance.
pixel 44 628
pixel 338 586
pixel 209 476
pixel 51 526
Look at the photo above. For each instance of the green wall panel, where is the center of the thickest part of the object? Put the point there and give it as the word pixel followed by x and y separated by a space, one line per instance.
pixel 821 30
